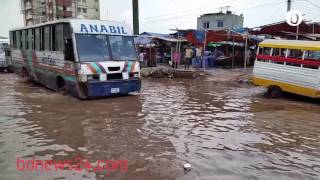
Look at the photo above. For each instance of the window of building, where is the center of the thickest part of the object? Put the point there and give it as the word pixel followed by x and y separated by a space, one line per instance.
pixel 84 1
pixel 206 25
pixel 84 10
pixel 79 9
pixel 220 23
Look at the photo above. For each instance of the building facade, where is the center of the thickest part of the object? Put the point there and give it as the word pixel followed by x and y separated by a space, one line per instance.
pixel 40 11
pixel 219 21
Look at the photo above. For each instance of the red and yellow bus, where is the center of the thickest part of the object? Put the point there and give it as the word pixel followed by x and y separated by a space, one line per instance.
pixel 288 65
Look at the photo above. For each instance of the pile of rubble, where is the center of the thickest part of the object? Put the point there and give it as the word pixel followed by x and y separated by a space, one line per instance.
pixel 168 72
pixel 157 72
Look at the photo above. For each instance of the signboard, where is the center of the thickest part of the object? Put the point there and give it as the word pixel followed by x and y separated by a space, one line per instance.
pixel 294 18
pixel 100 27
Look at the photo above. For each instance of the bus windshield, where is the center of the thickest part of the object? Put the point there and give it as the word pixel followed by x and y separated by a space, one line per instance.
pixel 92 48
pixel 95 48
pixel 122 48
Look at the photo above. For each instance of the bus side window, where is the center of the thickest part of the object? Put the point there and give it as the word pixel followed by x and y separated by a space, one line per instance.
pixel 37 39
pixel 23 39
pixel 68 44
pixel 312 55
pixel 47 38
pixel 26 39
pixel 59 42
pixel 278 52
pixel 53 38
pixel 14 39
pixel 296 54
pixel 264 51
pixel 42 39
pixel 30 39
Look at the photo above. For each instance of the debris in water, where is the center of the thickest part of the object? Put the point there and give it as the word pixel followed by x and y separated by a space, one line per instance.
pixel 187 167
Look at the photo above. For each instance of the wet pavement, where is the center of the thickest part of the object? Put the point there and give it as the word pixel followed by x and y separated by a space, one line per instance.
pixel 225 130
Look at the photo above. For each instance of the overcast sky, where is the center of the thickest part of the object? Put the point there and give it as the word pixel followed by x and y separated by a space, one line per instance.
pixel 162 15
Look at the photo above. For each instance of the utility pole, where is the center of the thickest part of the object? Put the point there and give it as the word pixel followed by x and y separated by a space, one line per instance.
pixel 135 10
pixel 289 5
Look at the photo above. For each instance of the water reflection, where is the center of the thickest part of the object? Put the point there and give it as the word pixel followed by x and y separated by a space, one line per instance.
pixel 39 124
pixel 224 130
pixel 231 132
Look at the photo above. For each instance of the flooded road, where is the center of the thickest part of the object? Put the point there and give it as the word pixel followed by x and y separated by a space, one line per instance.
pixel 224 130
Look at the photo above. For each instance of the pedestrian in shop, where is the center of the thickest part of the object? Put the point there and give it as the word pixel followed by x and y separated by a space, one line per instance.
pixel 198 57
pixel 188 58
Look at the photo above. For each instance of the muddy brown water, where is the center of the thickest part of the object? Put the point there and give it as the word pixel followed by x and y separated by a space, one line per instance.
pixel 224 130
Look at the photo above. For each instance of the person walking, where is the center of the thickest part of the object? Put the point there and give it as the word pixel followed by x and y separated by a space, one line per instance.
pixel 187 58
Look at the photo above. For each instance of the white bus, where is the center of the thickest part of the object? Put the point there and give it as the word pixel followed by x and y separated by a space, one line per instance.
pixel 86 58
pixel 290 66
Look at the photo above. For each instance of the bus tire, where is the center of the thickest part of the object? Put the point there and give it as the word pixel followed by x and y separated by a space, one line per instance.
pixel 273 92
pixel 61 85
pixel 25 75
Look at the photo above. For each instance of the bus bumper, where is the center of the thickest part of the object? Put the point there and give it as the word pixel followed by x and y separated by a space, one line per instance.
pixel 112 88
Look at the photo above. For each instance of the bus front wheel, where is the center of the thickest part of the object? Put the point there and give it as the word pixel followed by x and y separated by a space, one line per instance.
pixel 273 92
pixel 61 85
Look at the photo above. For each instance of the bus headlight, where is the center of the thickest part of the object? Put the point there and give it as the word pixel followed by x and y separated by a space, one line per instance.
pixel 83 78
pixel 93 77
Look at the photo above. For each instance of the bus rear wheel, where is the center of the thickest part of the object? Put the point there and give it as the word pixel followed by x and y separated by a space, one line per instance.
pixel 273 92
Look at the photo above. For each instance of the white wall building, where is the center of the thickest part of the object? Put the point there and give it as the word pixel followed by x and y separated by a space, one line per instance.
pixel 40 11
pixel 219 21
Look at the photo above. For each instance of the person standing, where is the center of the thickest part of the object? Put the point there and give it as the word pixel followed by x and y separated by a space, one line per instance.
pixel 141 58
pixel 188 57
pixel 198 57
pixel 176 60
